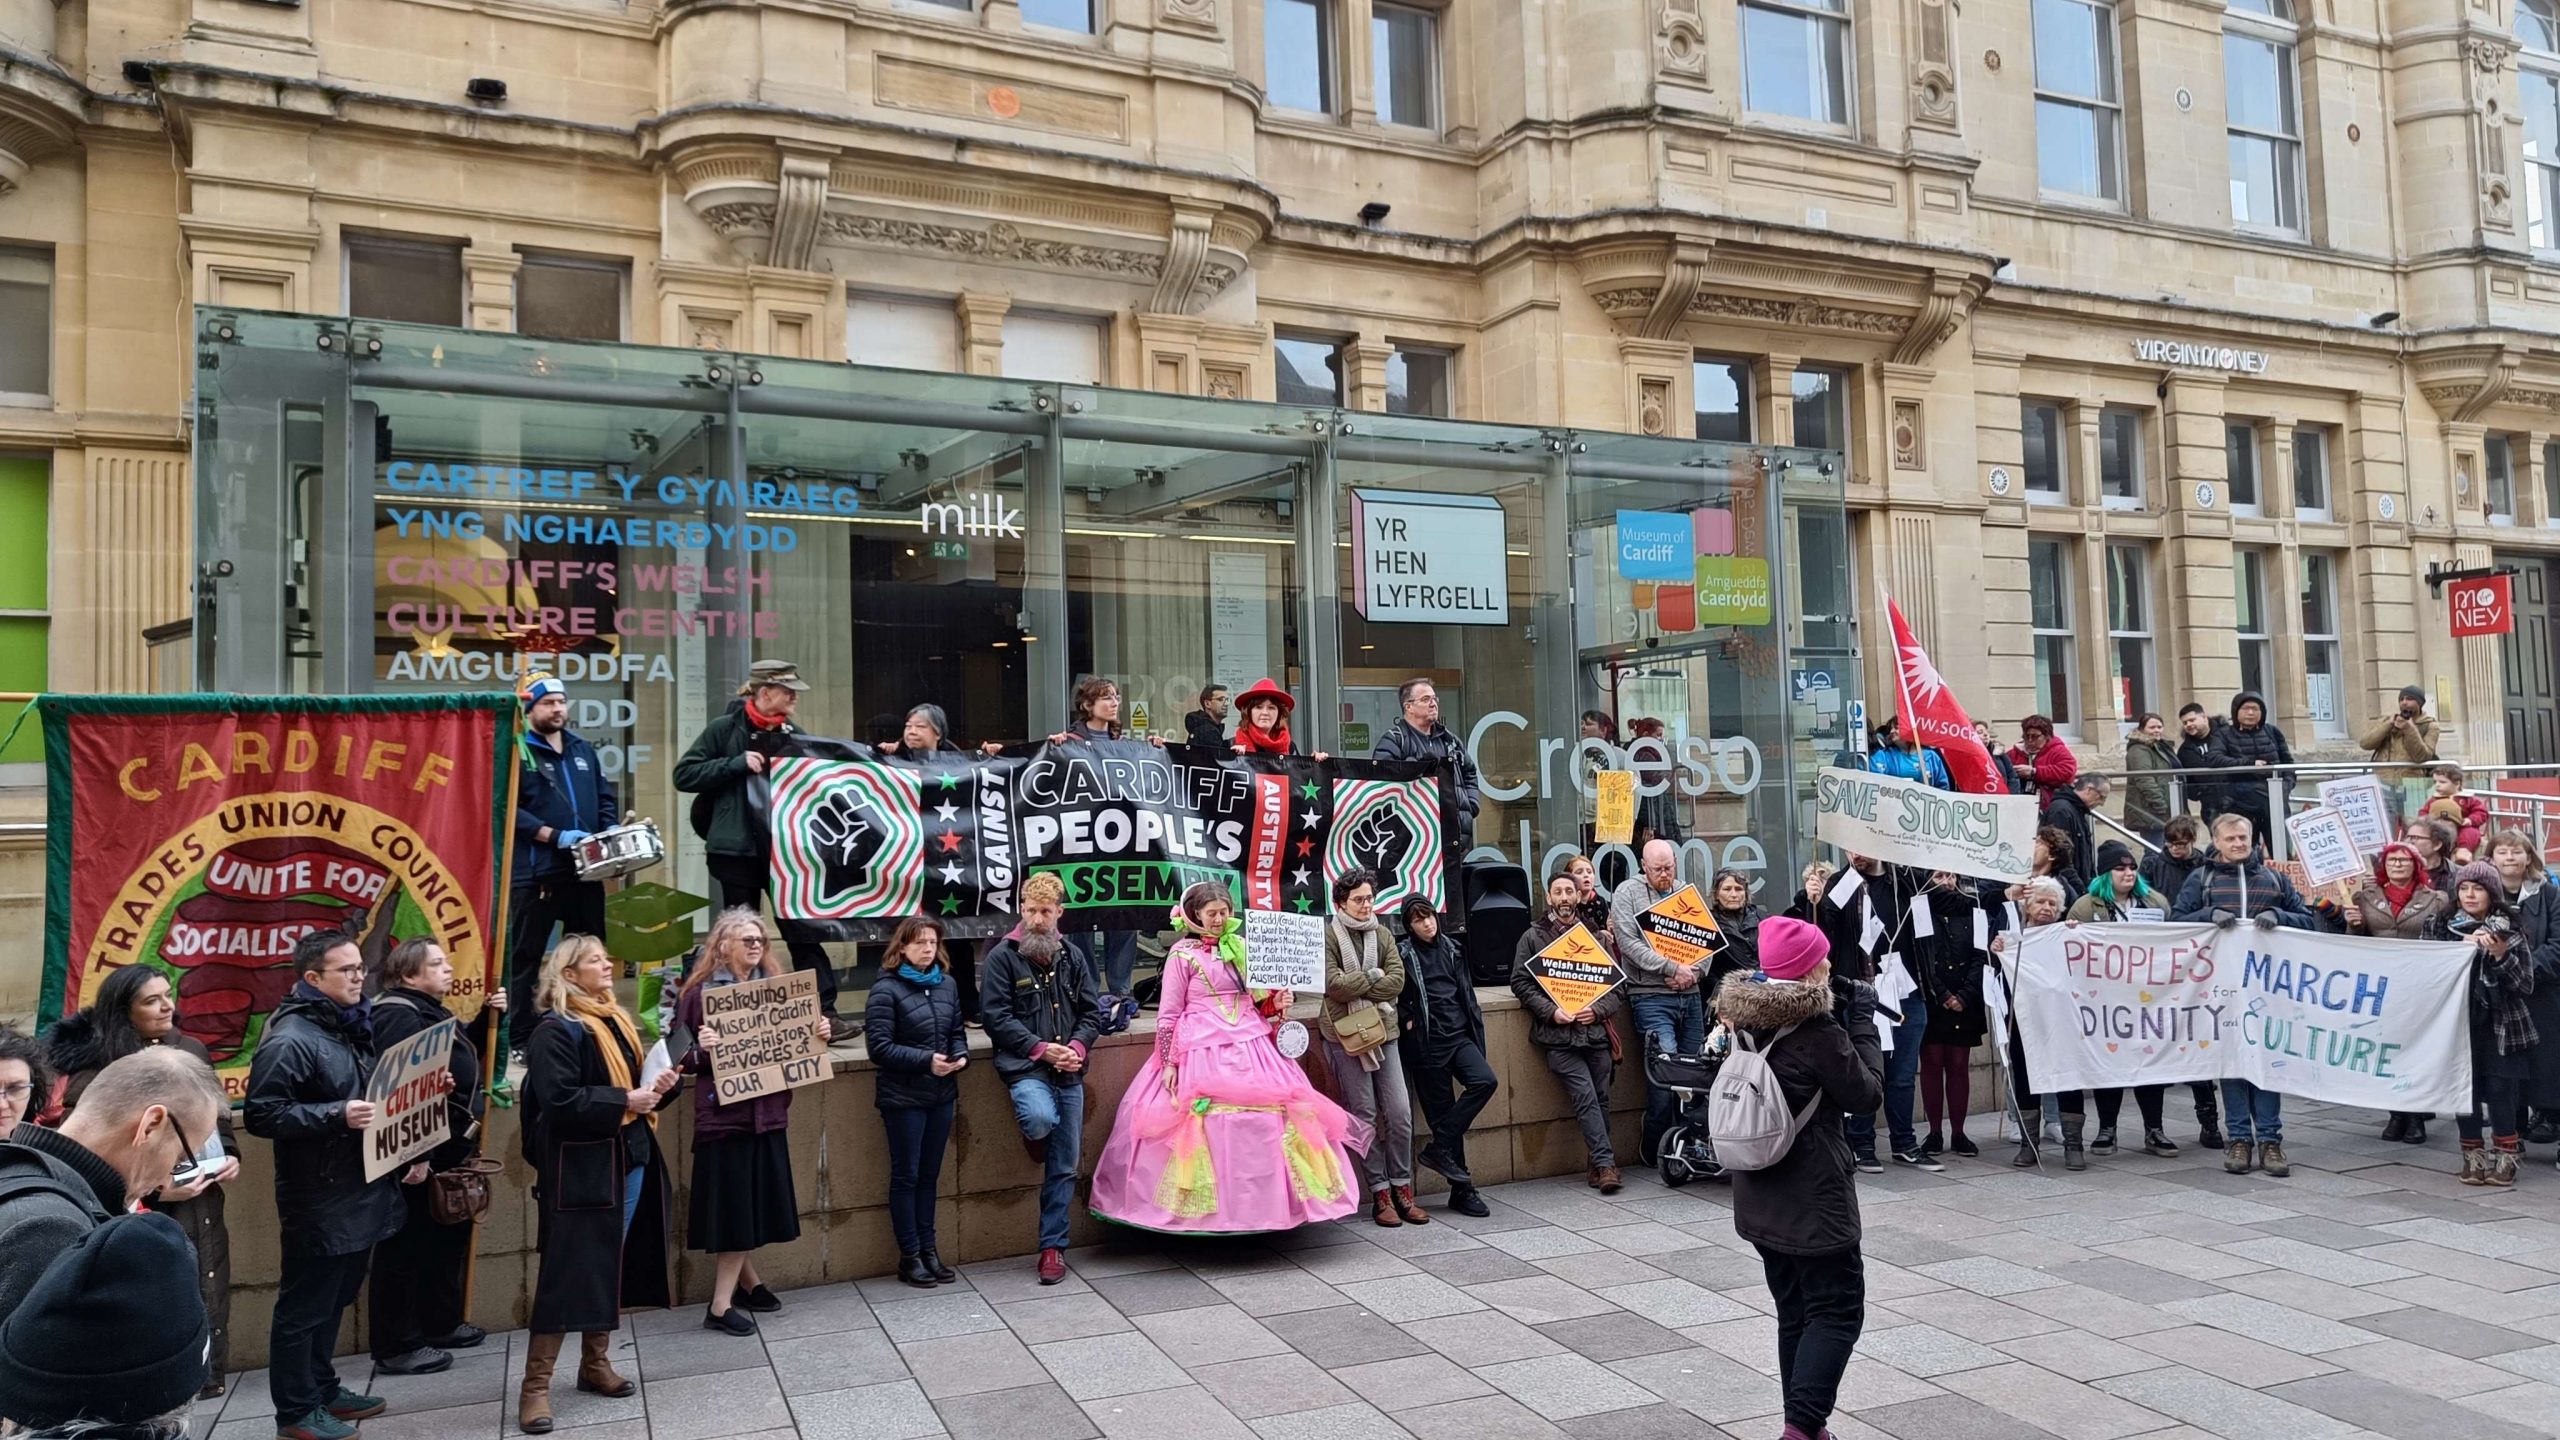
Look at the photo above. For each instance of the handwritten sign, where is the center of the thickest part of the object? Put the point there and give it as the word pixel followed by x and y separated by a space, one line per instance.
pixel 408 1092
pixel 2360 801
pixel 2328 851
pixel 1615 822
pixel 768 1036
pixel 1904 822
pixel 1681 929
pixel 1575 971
pixel 1283 950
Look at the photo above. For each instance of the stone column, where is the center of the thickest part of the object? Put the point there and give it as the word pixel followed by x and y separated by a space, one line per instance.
pixel 489 287
pixel 982 331
pixel 2197 552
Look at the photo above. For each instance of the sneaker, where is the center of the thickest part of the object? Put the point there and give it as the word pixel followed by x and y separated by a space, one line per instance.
pixel 1435 1159
pixel 732 1321
pixel 1915 1160
pixel 1465 1200
pixel 462 1338
pixel 2545 1130
pixel 2209 1138
pixel 2104 1142
pixel 2271 1159
pixel 348 1405
pixel 2157 1142
pixel 1932 1147
pixel 318 1425
pixel 1868 1164
pixel 1963 1145
pixel 425 1360
pixel 2235 1159
pixel 1053 1266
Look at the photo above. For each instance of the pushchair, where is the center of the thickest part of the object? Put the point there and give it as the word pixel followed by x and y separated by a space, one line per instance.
pixel 1686 1152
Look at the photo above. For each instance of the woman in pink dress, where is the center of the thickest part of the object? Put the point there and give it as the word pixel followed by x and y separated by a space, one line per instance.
pixel 1220 1133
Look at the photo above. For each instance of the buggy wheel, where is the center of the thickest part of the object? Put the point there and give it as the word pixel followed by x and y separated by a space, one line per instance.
pixel 1675 1171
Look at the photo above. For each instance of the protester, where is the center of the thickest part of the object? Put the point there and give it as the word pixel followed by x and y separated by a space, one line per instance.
pixel 1219 1133
pixel 2537 904
pixel 111 1341
pixel 2199 748
pixel 1206 727
pixel 562 797
pixel 418 1297
pixel 139 1120
pixel 918 1044
pixel 1670 1014
pixel 1811 884
pixel 2502 1030
pixel 1590 904
pixel 1042 1013
pixel 1589 762
pixel 1801 1213
pixel 1905 1009
pixel 2070 813
pixel 1877 905
pixel 1262 721
pixel 2150 797
pixel 25 1078
pixel 2042 759
pixel 2053 860
pixel 1990 739
pixel 742 1194
pixel 2040 902
pixel 1947 965
pixel 2252 739
pixel 726 765
pixel 1738 921
pixel 136 1009
pixel 2433 841
pixel 2235 888
pixel 2118 896
pixel 2399 904
pixel 1657 805
pixel 1357 1028
pixel 1094 714
pixel 1443 1045
pixel 2167 868
pixel 1418 735
pixel 605 1204
pixel 1579 1047
pixel 2401 742
pixel 925 731
pixel 2449 803
pixel 1897 753
pixel 305 1087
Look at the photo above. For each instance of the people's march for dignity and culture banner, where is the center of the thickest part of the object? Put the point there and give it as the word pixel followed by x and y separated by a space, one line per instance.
pixel 862 840
pixel 2380 1024
pixel 202 835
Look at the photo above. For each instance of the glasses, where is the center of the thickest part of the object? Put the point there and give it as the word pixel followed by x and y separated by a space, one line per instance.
pixel 355 969
pixel 184 1139
pixel 755 942
pixel 17 1094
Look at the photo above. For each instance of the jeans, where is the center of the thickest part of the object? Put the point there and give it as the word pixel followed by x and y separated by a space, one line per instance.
pixel 575 905
pixel 312 1295
pixel 1822 1305
pixel 2252 1115
pixel 2497 1100
pixel 417 1280
pixel 1053 1111
pixel 1902 1074
pixel 1378 1100
pixel 1586 1073
pixel 918 1136
pixel 1449 1117
pixel 737 880
pixel 1677 1023
pixel 633 1183
pixel 1115 955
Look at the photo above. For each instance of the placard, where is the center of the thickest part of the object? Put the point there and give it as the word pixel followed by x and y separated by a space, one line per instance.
pixel 1575 970
pixel 408 1092
pixel 1616 810
pixel 1681 929
pixel 768 1036
pixel 1903 822
pixel 1283 950
pixel 2362 803
pixel 2327 851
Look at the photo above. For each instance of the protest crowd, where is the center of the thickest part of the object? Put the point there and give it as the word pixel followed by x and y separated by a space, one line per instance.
pixel 1862 988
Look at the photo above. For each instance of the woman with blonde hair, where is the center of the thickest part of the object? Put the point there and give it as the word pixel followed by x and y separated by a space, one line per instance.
pixel 600 1178
pixel 742 1192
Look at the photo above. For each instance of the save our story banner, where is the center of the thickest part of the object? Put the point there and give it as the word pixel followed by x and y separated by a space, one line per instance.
pixel 2348 1019
pixel 862 839
pixel 203 835
pixel 1903 822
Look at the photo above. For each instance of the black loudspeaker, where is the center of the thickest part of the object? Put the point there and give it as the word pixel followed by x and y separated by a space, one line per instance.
pixel 1498 913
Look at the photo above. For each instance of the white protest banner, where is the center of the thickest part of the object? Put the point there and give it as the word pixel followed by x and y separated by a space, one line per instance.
pixel 1283 950
pixel 2367 811
pixel 408 1088
pixel 2381 1024
pixel 768 1031
pixel 1904 822
pixel 2326 849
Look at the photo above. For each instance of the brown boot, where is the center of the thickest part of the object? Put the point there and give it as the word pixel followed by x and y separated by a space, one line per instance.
pixel 596 1374
pixel 533 1401
pixel 1592 1178
pixel 1410 1208
pixel 1382 1209
pixel 1609 1180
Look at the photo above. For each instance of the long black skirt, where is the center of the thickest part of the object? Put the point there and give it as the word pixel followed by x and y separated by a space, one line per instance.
pixel 742 1194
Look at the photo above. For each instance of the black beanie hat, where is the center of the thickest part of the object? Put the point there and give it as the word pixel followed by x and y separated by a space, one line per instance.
pixel 2412 692
pixel 114 1330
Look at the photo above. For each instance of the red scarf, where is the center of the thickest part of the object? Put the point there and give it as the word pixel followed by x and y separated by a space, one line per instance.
pixel 1263 742
pixel 762 721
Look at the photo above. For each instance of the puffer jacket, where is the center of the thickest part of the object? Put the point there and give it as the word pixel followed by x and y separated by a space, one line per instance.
pixel 1543 1029
pixel 1807 1203
pixel 2238 747
pixel 906 1026
pixel 2242 891
pixel 309 1065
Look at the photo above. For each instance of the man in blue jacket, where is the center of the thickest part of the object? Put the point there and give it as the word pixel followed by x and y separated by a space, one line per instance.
pixel 1898 753
pixel 2233 888
pixel 562 797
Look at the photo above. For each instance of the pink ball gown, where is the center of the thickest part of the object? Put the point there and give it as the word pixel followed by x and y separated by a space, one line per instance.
pixel 1244 1144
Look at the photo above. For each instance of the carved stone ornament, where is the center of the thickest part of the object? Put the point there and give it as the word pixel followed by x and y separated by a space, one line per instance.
pixel 1906 435
pixel 1196 15
pixel 1933 75
pixel 1653 406
pixel 1680 42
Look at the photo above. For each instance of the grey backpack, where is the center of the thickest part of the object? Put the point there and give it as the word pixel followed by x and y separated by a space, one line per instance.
pixel 1747 1117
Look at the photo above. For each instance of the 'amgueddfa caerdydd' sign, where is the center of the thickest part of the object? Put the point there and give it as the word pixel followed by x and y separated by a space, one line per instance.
pixel 862 840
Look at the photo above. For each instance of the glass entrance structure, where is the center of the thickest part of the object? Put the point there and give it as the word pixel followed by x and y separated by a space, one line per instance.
pixel 387 508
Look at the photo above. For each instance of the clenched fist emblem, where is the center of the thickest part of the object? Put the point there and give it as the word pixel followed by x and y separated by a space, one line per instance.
pixel 1380 839
pixel 848 837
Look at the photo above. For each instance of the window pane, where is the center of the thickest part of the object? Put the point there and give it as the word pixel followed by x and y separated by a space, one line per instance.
pixel 2120 454
pixel 1309 372
pixel 2273 9
pixel 1792 65
pixel 2130 667
pixel 26 324
pixel 26 500
pixel 2538 25
pixel 2240 458
pixel 25 651
pixel 412 280
pixel 2053 677
pixel 1405 47
pixel 2124 588
pixel 2258 78
pixel 2040 427
pixel 2249 592
pixel 2551 482
pixel 2542 206
pixel 2254 664
pixel 2498 460
pixel 2048 587
pixel 2073 49
pixel 1293 54
pixel 1819 396
pixel 1723 398
pixel 2310 470
pixel 2319 615
pixel 2075 150
pixel 1059 14
pixel 569 300
pixel 1418 383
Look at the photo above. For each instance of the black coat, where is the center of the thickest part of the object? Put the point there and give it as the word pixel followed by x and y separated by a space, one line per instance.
pixel 2070 814
pixel 907 1026
pixel 1203 732
pixel 563 789
pixel 579 1148
pixel 1741 949
pixel 1807 1203
pixel 1946 964
pixel 2168 874
pixel 1444 955
pixel 2538 915
pixel 1403 742
pixel 1024 1008
pixel 401 1014
pixel 731 810
pixel 307 1068
pixel 1592 1034
pixel 2238 747
pixel 2205 794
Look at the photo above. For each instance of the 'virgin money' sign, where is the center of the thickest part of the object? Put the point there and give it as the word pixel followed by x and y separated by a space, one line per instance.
pixel 2486 606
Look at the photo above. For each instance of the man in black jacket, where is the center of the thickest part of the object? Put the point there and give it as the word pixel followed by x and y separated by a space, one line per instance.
pixel 2197 750
pixel 562 797
pixel 1444 1046
pixel 1042 1010
pixel 306 1093
pixel 1206 727
pixel 2070 812
pixel 1419 735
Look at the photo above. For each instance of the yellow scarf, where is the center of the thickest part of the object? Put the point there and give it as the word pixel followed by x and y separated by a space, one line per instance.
pixel 616 1038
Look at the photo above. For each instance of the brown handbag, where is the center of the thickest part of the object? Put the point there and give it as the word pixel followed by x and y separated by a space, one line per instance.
pixel 460 1196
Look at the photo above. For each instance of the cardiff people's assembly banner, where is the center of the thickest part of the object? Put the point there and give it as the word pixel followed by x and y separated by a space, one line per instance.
pixel 2343 1018
pixel 203 835
pixel 862 840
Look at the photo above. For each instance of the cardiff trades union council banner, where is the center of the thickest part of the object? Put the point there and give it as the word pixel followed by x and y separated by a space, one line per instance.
pixel 2342 1018
pixel 1903 822
pixel 861 840
pixel 202 835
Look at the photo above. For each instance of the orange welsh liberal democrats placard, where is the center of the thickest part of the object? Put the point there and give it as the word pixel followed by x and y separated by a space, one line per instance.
pixel 1574 970
pixel 1682 929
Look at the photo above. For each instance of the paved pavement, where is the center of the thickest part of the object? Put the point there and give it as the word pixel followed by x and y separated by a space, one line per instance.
pixel 2367 1295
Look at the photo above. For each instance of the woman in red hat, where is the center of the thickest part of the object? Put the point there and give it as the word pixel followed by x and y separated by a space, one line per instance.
pixel 1262 724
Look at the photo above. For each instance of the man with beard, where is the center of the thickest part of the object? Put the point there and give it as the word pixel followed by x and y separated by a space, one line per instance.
pixel 2406 735
pixel 1575 1043
pixel 2197 751
pixel 1043 1011
pixel 562 797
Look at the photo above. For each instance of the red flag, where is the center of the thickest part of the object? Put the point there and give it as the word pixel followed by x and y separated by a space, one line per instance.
pixel 1933 714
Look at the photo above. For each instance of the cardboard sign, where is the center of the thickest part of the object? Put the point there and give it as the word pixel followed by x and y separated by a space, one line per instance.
pixel 2328 852
pixel 2359 800
pixel 1616 820
pixel 408 1088
pixel 1283 950
pixel 2486 606
pixel 1575 971
pixel 1682 929
pixel 768 1036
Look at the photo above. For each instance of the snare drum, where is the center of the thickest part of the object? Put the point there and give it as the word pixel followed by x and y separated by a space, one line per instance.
pixel 619 851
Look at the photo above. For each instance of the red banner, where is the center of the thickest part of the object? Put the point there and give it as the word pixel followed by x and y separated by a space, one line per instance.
pixel 2486 606
pixel 204 835
pixel 1932 713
